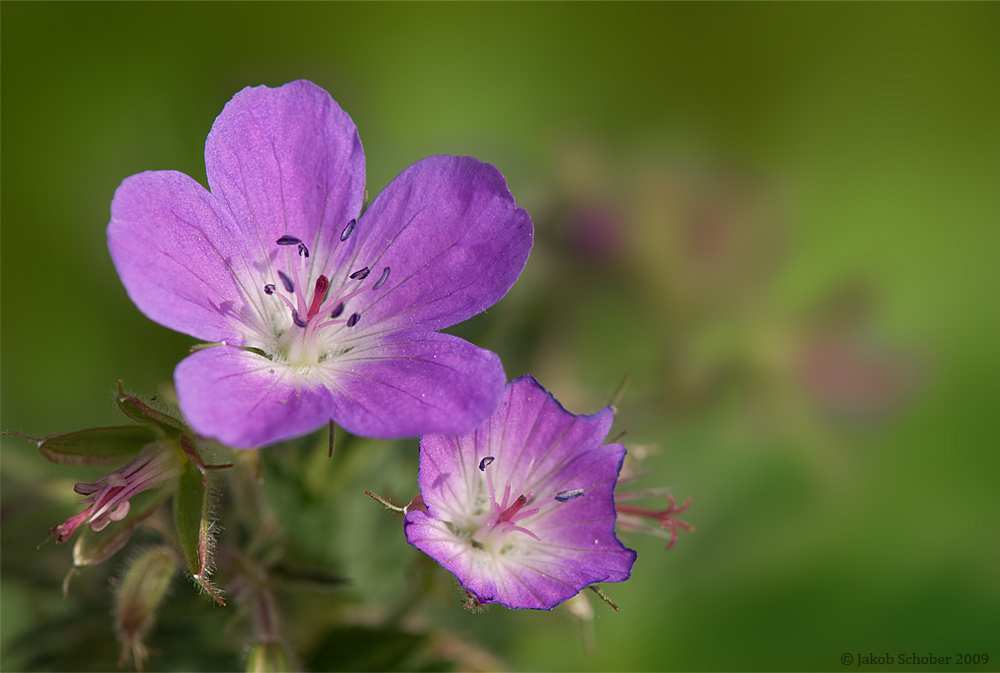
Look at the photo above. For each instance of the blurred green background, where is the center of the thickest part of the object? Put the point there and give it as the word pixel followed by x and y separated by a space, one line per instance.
pixel 780 219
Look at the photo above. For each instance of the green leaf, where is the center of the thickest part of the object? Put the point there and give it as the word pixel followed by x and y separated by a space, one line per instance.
pixel 192 518
pixel 96 446
pixel 190 507
pixel 141 412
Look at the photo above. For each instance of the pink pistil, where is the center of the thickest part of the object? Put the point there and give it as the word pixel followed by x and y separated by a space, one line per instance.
pixel 509 513
pixel 503 517
pixel 322 285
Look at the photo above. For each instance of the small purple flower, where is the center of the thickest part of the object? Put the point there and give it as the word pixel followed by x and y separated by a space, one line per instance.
pixel 321 314
pixel 522 509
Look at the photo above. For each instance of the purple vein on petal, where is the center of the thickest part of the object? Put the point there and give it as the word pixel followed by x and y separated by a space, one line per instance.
pixel 386 319
pixel 462 461
pixel 360 243
pixel 317 246
pixel 387 385
pixel 323 375
pixel 446 481
pixel 253 217
pixel 531 433
pixel 248 321
pixel 544 479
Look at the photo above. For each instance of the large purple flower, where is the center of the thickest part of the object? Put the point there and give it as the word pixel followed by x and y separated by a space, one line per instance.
pixel 321 315
pixel 522 509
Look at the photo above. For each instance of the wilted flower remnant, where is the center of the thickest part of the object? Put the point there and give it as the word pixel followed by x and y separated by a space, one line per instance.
pixel 660 523
pixel 320 313
pixel 109 496
pixel 633 518
pixel 522 510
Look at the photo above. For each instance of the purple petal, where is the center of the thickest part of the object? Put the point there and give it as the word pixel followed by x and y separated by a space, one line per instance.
pixel 245 401
pixel 531 437
pixel 178 258
pixel 433 537
pixel 413 383
pixel 541 581
pixel 286 161
pixel 582 530
pixel 454 239
pixel 541 576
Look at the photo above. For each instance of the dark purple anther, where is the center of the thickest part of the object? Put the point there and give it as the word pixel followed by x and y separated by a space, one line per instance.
pixel 288 240
pixel 348 230
pixel 297 320
pixel 566 496
pixel 381 281
pixel 484 462
pixel 338 310
pixel 353 320
pixel 286 281
pixel 86 489
pixel 361 274
pixel 303 250
pixel 270 288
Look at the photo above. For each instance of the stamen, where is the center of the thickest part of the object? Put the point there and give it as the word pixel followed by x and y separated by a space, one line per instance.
pixel 381 281
pixel 87 489
pixel 288 240
pixel 348 230
pixel 361 274
pixel 270 288
pixel 566 496
pixel 353 320
pixel 506 498
pixel 322 285
pixel 343 299
pixel 484 462
pixel 338 310
pixel 290 305
pixel 303 250
pixel 297 320
pixel 286 281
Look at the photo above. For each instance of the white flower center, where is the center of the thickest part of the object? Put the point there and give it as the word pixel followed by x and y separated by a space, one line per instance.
pixel 304 341
pixel 491 535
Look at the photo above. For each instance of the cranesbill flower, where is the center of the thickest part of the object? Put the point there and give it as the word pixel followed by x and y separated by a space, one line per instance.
pixel 321 314
pixel 522 509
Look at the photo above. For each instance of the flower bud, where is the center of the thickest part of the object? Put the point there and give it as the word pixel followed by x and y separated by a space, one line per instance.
pixel 140 592
pixel 194 521
pixel 270 657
